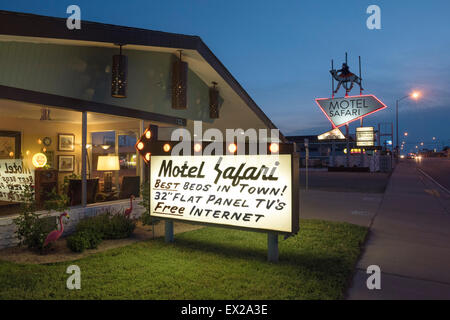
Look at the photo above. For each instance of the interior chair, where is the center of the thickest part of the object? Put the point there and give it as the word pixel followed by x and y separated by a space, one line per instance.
pixel 74 191
pixel 130 186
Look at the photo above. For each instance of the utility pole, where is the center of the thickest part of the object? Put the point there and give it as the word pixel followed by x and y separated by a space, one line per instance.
pixel 348 144
pixel 306 162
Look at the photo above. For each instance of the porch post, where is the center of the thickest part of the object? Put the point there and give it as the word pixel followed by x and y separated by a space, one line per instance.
pixel 141 160
pixel 83 159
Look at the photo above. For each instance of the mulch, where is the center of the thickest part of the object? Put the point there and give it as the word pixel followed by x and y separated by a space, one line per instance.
pixel 60 253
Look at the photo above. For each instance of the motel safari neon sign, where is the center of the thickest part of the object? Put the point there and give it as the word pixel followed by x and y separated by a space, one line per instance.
pixel 342 111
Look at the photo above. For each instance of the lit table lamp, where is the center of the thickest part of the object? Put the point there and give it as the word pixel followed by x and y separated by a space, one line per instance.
pixel 108 164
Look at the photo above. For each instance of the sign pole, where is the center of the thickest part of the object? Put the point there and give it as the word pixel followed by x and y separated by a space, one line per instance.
pixel 360 79
pixel 306 162
pixel 333 153
pixel 272 247
pixel 168 231
pixel 348 145
pixel 332 79
pixel 361 148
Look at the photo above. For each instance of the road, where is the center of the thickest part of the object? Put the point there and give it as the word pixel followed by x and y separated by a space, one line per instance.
pixel 363 182
pixel 437 168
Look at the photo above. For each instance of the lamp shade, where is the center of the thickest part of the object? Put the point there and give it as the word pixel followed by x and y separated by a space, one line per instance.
pixel 108 163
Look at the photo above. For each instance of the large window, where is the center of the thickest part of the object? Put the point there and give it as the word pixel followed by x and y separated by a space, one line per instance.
pixel 39 146
pixel 113 158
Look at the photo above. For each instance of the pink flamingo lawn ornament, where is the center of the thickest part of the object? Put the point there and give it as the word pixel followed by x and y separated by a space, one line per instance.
pixel 56 234
pixel 127 212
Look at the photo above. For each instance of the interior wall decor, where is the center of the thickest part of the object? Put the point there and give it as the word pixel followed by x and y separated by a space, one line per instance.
pixel 50 156
pixel 66 142
pixel 66 163
pixel 47 141
pixel 10 144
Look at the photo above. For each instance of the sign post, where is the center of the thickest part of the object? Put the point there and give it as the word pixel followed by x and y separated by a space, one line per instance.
pixel 168 236
pixel 257 192
pixel 347 136
pixel 344 110
pixel 306 162
pixel 272 247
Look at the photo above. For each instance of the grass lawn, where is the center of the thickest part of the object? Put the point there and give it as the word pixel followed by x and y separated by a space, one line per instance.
pixel 208 263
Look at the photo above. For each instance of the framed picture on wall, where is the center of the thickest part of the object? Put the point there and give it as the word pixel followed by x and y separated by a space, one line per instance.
pixel 50 156
pixel 66 142
pixel 66 163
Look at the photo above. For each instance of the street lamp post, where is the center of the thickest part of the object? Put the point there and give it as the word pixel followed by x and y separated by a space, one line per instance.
pixel 414 95
pixel 396 125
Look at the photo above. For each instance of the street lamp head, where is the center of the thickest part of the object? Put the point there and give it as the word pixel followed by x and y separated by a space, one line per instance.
pixel 415 95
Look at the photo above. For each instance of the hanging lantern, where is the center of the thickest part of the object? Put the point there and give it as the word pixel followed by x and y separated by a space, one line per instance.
pixel 214 102
pixel 119 75
pixel 179 84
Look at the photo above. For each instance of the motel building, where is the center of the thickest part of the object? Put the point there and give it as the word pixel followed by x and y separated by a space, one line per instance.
pixel 73 104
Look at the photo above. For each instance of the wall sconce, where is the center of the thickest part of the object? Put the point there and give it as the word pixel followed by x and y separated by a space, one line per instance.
pixel 179 84
pixel 214 101
pixel 119 75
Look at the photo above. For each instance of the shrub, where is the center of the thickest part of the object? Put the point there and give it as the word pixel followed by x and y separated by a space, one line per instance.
pixel 94 238
pixel 98 224
pixel 31 229
pixel 82 240
pixel 78 242
pixel 108 225
pixel 119 227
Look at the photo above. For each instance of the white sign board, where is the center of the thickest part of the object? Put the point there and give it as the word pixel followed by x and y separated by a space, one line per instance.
pixel 245 191
pixel 341 111
pixel 14 176
pixel 365 137
pixel 333 134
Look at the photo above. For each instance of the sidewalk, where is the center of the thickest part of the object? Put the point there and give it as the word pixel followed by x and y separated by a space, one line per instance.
pixel 409 240
pixel 352 207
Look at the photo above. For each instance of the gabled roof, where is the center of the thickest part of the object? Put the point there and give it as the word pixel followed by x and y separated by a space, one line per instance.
pixel 31 25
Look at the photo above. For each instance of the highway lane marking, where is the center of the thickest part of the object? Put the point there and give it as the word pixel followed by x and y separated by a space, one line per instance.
pixel 360 213
pixel 437 183
pixel 433 192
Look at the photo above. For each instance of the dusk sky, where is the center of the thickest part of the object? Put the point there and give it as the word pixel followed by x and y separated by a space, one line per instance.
pixel 280 52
